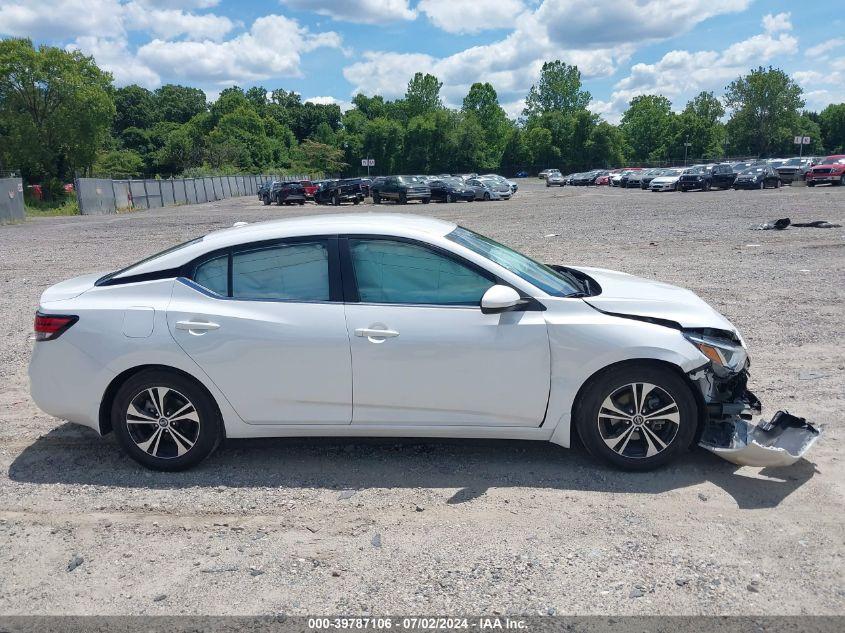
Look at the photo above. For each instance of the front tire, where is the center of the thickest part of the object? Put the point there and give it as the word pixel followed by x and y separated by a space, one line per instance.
pixel 165 420
pixel 376 199
pixel 637 417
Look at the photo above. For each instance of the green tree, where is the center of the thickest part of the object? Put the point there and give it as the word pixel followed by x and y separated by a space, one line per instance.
pixel 422 95
pixel 605 146
pixel 698 124
pixel 134 107
pixel 832 124
pixel 384 141
pixel 540 148
pixel 56 109
pixel 481 107
pixel 646 125
pixel 178 104
pixel 319 157
pixel 764 110
pixel 559 89
pixel 370 107
pixel 123 163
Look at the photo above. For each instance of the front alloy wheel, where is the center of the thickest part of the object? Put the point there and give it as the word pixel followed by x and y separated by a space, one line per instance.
pixel 638 420
pixel 637 417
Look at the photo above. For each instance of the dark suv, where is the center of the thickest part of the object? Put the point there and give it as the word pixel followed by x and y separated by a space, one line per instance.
pixel 287 193
pixel 705 177
pixel 337 191
pixel 401 189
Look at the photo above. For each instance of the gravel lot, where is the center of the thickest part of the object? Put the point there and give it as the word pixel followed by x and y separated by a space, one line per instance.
pixel 385 526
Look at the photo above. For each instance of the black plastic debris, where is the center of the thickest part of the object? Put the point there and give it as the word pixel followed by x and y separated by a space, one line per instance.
pixel 817 224
pixel 777 225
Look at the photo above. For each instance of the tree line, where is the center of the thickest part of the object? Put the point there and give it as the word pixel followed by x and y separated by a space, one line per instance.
pixel 61 115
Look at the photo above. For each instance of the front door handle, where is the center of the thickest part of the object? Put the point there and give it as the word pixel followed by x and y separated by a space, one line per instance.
pixel 376 334
pixel 196 326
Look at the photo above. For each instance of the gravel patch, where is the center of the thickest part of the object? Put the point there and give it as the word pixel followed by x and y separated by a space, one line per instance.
pixel 305 526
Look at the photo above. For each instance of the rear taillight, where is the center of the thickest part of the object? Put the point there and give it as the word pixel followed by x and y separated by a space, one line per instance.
pixel 52 326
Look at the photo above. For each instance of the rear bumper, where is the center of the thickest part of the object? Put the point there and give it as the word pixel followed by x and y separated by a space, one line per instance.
pixel 730 431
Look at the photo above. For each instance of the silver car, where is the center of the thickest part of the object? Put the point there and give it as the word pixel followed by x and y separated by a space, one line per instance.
pixel 486 189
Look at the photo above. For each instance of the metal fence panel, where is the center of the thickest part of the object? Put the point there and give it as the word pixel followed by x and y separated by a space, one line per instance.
pixel 139 194
pixel 153 193
pixel 95 196
pixel 102 195
pixel 191 190
pixel 180 190
pixel 11 200
pixel 122 199
pixel 168 193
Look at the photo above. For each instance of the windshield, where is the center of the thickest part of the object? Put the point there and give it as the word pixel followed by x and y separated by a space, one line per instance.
pixel 833 160
pixel 754 170
pixel 549 281
pixel 455 182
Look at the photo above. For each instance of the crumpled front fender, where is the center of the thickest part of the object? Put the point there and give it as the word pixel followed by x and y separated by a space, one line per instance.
pixel 731 432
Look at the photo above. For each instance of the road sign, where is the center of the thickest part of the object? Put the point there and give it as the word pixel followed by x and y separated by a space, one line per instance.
pixel 368 162
pixel 801 140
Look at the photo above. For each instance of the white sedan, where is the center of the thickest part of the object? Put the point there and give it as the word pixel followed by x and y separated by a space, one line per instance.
pixel 391 325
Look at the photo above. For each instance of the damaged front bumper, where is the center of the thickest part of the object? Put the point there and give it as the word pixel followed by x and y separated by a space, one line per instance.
pixel 730 432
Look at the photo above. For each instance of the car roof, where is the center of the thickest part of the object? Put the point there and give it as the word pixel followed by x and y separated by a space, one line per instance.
pixel 395 224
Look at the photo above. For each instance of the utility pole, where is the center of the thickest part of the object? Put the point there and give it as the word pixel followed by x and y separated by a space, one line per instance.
pixel 687 145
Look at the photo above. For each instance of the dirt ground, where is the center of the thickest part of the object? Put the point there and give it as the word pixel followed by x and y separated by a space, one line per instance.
pixel 450 527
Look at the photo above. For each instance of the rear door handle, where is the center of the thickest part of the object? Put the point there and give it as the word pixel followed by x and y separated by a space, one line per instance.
pixel 196 326
pixel 371 333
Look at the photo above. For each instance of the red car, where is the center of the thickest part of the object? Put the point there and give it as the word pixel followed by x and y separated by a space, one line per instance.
pixel 309 187
pixel 831 170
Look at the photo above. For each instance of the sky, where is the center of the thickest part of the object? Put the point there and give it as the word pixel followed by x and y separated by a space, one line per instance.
pixel 329 50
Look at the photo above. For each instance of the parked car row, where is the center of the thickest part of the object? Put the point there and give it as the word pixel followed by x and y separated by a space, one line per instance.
pixel 441 188
pixel 754 174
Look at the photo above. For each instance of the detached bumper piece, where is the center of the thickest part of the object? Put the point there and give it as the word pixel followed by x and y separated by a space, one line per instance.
pixel 731 434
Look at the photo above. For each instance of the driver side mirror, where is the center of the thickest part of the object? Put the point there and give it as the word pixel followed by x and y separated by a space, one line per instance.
pixel 500 299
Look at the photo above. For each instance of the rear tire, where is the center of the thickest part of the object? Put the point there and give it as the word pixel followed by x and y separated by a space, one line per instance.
pixel 614 428
pixel 376 199
pixel 403 198
pixel 266 201
pixel 426 200
pixel 810 183
pixel 175 424
pixel 487 197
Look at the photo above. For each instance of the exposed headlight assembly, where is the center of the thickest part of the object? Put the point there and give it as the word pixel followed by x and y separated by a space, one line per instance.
pixel 723 352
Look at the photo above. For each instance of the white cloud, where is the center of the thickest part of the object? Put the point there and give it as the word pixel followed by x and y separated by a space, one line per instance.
pixel 777 23
pixel 823 49
pixel 53 20
pixel 180 4
pixel 471 17
pixel 361 11
pixel 114 56
pixel 171 23
pixel 344 105
pixel 601 23
pixel 595 35
pixel 272 47
pixel 680 74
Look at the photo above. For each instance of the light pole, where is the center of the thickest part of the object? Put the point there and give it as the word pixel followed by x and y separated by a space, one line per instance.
pixel 687 145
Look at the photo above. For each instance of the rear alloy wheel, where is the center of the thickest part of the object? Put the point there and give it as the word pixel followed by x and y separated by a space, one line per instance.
pixel 165 421
pixel 637 418
pixel 487 197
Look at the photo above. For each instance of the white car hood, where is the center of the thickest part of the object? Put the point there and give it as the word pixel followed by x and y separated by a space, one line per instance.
pixel 660 180
pixel 622 293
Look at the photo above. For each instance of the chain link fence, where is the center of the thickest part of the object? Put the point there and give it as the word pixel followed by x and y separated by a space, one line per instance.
pixel 11 200
pixel 98 196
